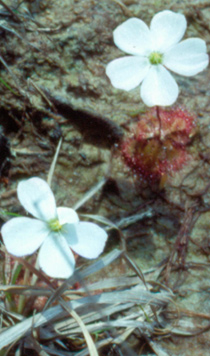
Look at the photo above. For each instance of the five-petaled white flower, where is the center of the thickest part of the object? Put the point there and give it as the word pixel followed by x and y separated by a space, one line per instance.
pixel 152 51
pixel 54 229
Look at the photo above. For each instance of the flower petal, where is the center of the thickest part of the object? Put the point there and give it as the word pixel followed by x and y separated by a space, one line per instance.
pixel 188 57
pixel 37 198
pixel 55 257
pixel 22 236
pixel 90 240
pixel 159 87
pixel 67 215
pixel 128 72
pixel 70 234
pixel 133 37
pixel 167 29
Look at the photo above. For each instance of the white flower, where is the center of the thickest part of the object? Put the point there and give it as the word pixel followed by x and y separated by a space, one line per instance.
pixel 152 51
pixel 54 229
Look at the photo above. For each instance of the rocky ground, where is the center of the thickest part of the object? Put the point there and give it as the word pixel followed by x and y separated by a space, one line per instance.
pixel 53 56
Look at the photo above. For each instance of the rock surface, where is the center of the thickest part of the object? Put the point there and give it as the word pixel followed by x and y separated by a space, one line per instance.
pixel 53 84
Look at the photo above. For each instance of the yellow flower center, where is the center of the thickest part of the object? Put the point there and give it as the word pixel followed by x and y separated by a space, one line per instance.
pixel 156 58
pixel 54 225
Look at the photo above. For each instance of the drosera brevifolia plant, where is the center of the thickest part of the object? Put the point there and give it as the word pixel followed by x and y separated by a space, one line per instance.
pixel 152 157
pixel 152 53
pixel 53 230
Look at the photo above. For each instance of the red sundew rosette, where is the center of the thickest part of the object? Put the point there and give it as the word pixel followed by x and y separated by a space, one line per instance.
pixel 153 151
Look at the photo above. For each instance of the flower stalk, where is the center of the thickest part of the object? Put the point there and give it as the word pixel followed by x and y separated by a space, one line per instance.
pixel 159 121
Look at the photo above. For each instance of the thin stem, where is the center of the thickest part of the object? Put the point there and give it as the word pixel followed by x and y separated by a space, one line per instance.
pixel 14 15
pixel 12 74
pixel 22 298
pixel 159 120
